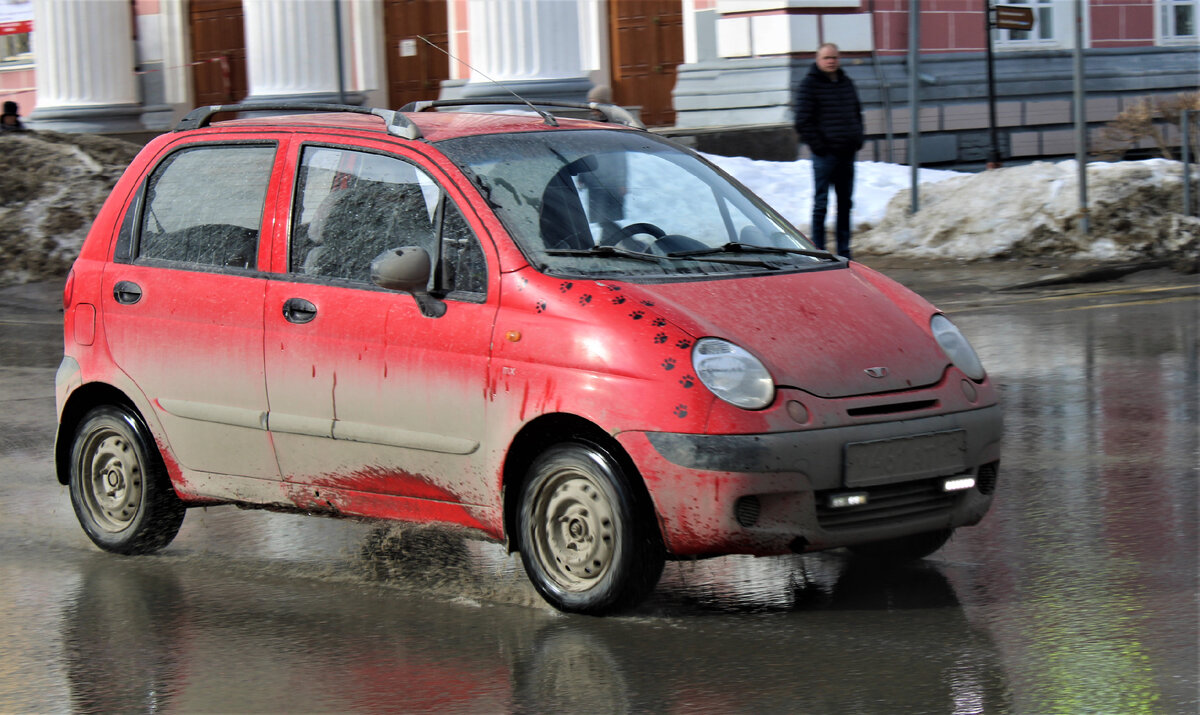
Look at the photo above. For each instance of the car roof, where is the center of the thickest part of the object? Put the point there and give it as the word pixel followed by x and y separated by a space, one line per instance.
pixel 433 126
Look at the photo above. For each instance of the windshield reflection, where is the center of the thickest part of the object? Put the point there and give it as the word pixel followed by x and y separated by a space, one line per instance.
pixel 599 202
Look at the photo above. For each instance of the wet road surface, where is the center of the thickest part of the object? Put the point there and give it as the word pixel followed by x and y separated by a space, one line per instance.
pixel 1078 593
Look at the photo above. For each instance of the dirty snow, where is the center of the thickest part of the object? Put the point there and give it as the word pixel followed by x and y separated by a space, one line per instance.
pixel 1029 210
pixel 52 185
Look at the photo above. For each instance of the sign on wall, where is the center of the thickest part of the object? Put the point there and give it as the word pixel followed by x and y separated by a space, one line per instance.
pixel 16 16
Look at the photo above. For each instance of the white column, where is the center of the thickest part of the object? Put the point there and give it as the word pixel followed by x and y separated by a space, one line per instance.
pixel 83 51
pixel 292 50
pixel 536 48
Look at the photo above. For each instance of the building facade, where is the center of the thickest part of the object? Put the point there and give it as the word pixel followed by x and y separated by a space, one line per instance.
pixel 716 72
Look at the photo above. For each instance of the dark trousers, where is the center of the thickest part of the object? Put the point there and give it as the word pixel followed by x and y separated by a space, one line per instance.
pixel 838 171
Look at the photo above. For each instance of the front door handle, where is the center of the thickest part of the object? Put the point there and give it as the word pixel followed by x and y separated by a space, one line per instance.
pixel 299 310
pixel 127 292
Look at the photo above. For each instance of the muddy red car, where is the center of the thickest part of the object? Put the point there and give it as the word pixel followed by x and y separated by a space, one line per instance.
pixel 569 334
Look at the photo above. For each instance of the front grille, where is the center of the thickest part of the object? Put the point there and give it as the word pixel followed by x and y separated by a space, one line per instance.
pixel 889 503
pixel 894 408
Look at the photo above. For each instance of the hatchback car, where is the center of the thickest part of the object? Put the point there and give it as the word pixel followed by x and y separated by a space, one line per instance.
pixel 572 335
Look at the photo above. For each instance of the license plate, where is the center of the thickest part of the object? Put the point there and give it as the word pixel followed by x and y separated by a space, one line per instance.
pixel 887 461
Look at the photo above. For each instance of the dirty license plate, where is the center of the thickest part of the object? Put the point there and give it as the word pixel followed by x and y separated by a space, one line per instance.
pixel 887 461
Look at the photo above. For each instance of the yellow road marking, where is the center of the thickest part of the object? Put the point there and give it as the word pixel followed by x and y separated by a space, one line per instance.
pixel 1159 301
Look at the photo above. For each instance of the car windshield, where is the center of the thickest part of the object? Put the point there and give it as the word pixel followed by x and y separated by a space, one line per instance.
pixel 599 203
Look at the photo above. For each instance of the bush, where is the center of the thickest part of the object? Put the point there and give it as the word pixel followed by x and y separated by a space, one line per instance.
pixel 1147 119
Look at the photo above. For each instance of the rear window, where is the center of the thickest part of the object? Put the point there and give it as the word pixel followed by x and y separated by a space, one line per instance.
pixel 204 206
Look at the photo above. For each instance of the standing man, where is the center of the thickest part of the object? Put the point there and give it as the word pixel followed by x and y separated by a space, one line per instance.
pixel 828 118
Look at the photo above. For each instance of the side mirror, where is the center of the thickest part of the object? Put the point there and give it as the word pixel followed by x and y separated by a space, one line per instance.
pixel 407 270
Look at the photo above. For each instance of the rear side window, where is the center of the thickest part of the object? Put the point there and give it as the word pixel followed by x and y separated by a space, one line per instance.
pixel 204 206
pixel 352 206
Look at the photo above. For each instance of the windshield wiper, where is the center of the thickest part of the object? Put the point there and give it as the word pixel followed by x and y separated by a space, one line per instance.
pixel 605 251
pixel 737 247
pixel 655 257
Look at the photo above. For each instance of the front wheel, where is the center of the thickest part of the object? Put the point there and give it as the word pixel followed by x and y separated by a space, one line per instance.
pixel 588 541
pixel 119 487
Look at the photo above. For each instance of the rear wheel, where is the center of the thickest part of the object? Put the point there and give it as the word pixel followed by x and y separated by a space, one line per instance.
pixel 119 487
pixel 905 548
pixel 589 542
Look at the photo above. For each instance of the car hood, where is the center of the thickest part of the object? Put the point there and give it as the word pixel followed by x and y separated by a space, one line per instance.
pixel 833 333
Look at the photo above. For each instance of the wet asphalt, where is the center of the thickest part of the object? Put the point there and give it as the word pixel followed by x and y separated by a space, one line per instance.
pixel 1078 592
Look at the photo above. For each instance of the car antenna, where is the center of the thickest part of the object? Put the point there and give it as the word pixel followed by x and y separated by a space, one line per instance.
pixel 547 117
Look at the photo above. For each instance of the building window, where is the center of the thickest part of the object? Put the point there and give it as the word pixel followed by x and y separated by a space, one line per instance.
pixel 1178 20
pixel 15 48
pixel 1042 33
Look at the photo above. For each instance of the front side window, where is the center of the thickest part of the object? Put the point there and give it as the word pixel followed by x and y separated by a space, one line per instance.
pixel 204 206
pixel 352 206
pixel 599 203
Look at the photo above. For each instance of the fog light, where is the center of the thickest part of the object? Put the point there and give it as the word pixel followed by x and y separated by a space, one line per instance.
pixel 958 484
pixel 841 501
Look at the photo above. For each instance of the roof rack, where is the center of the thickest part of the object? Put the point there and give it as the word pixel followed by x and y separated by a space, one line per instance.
pixel 611 112
pixel 397 124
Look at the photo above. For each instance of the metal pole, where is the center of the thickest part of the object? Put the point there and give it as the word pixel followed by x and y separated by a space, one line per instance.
pixel 1081 121
pixel 1185 124
pixel 337 31
pixel 993 157
pixel 914 108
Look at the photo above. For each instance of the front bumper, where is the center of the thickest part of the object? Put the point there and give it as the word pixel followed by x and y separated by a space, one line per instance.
pixel 769 493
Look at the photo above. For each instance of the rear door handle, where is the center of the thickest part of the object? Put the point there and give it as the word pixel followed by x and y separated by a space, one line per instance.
pixel 127 293
pixel 299 310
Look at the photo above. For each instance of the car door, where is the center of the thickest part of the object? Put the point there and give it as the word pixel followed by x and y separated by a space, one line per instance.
pixel 366 393
pixel 183 304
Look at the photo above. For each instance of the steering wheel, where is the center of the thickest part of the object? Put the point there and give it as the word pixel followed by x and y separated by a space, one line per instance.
pixel 614 235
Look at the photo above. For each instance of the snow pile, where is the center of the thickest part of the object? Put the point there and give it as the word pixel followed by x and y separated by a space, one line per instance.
pixel 1032 210
pixel 51 187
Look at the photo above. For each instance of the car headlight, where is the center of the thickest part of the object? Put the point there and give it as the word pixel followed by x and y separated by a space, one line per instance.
pixel 956 347
pixel 732 374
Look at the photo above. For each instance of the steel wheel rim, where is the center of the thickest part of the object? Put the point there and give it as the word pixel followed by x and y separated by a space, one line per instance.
pixel 111 482
pixel 575 530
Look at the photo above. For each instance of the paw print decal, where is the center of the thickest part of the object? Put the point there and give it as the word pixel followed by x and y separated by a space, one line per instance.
pixel 687 380
pixel 613 288
pixel 648 303
pixel 566 286
pixel 585 299
pixel 658 322
pixel 681 411
pixel 637 314
pixel 541 306
pixel 618 300
pixel 660 338
pixel 668 364
pixel 684 344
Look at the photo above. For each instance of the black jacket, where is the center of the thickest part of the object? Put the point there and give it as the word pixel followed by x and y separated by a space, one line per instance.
pixel 827 113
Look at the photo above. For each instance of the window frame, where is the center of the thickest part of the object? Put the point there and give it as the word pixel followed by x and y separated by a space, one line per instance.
pixel 1004 40
pixel 437 221
pixel 13 60
pixel 136 210
pixel 1164 22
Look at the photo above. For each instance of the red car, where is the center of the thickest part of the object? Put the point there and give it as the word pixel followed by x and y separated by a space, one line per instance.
pixel 570 334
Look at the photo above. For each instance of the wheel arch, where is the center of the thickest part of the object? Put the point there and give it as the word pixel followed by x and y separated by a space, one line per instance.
pixel 78 405
pixel 546 431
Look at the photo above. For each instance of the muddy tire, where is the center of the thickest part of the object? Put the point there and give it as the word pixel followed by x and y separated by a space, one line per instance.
pixel 588 541
pixel 904 549
pixel 119 487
